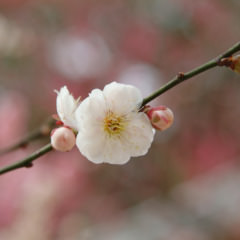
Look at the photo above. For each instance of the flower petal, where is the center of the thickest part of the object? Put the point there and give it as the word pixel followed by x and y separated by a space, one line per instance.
pixel 115 152
pixel 66 106
pixel 122 98
pixel 139 135
pixel 91 145
pixel 101 149
pixel 91 111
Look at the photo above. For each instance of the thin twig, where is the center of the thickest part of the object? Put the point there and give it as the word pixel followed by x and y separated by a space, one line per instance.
pixel 184 76
pixel 27 162
pixel 39 133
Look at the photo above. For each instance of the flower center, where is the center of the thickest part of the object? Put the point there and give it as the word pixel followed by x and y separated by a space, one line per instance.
pixel 114 124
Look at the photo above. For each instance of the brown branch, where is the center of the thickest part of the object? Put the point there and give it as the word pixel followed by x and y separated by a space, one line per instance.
pixel 27 162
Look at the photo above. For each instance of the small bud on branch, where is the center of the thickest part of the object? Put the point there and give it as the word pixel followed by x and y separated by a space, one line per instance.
pixel 63 139
pixel 161 117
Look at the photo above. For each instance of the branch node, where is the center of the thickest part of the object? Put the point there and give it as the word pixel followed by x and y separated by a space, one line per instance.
pixel 29 165
pixel 180 75
pixel 226 62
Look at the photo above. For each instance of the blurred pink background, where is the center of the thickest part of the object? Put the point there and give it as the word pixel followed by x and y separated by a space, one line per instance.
pixel 187 186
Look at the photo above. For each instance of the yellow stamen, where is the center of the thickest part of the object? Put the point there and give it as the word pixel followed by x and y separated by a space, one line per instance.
pixel 114 125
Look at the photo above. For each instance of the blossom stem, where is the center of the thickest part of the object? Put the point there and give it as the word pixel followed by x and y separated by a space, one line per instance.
pixel 28 161
pixel 184 76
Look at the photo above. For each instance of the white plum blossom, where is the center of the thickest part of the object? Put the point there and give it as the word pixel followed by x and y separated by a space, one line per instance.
pixel 66 107
pixel 111 128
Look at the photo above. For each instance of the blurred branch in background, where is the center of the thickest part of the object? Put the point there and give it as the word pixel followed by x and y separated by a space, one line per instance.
pixel 39 133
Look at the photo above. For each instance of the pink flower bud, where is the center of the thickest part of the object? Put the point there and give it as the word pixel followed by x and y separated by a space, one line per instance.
pixel 161 117
pixel 63 139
